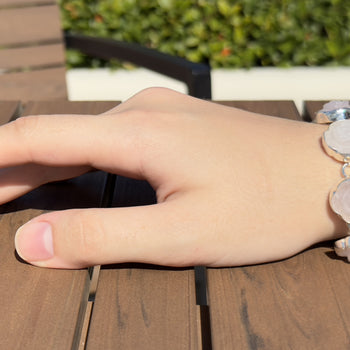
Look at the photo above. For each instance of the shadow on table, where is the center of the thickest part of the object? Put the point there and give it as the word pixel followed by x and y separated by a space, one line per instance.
pixel 84 191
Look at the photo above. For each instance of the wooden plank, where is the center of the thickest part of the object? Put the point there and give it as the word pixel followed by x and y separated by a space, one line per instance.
pixel 37 24
pixel 40 306
pixel 294 304
pixel 299 303
pixel 8 111
pixel 35 85
pixel 311 108
pixel 283 109
pixel 25 58
pixel 19 3
pixel 143 307
pixel 62 107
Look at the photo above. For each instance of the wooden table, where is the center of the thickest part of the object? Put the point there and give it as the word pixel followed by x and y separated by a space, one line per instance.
pixel 298 303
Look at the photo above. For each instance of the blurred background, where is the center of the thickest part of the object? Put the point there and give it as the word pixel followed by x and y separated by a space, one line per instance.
pixel 267 49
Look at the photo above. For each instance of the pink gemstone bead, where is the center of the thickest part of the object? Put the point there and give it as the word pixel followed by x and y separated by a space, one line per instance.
pixel 340 200
pixel 338 136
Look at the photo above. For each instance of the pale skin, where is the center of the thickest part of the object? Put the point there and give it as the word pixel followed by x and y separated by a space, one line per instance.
pixel 233 187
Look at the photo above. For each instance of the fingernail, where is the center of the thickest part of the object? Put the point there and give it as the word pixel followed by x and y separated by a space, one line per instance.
pixel 33 241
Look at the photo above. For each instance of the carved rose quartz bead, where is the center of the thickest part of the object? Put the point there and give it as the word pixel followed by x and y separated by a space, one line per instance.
pixel 340 200
pixel 333 105
pixel 336 142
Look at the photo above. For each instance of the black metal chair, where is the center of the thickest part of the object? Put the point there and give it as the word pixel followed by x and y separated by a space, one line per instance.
pixel 195 75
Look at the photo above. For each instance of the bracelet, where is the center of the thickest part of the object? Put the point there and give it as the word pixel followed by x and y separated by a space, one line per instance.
pixel 336 143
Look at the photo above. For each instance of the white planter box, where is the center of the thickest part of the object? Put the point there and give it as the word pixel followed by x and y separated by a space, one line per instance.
pixel 298 84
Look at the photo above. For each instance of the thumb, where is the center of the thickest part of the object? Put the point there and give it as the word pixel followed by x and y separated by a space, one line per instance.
pixel 154 234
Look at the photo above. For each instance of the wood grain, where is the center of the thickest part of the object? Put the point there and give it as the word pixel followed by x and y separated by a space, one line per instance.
pixel 36 85
pixel 311 108
pixel 299 303
pixel 8 111
pixel 64 107
pixel 32 62
pixel 22 3
pixel 40 306
pixel 144 308
pixel 28 25
pixel 282 109
pixel 26 58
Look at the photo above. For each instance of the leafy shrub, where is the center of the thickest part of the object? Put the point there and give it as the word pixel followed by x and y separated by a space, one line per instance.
pixel 224 33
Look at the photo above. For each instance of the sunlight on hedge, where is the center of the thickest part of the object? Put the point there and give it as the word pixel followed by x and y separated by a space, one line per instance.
pixel 241 33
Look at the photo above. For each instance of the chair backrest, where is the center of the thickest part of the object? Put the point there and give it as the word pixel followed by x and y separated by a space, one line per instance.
pixel 32 62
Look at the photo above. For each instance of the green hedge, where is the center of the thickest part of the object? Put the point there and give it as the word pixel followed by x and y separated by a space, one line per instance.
pixel 225 33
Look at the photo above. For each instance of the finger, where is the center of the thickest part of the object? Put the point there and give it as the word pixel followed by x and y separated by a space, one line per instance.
pixel 19 180
pixel 157 234
pixel 101 142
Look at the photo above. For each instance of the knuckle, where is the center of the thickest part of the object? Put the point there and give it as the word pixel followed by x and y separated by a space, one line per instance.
pixel 156 93
pixel 26 125
pixel 25 130
pixel 89 236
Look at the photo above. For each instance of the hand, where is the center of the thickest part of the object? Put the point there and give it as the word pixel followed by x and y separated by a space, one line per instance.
pixel 233 187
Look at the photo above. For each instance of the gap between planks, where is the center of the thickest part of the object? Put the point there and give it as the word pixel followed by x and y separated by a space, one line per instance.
pixel 22 4
pixel 88 297
pixel 86 308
